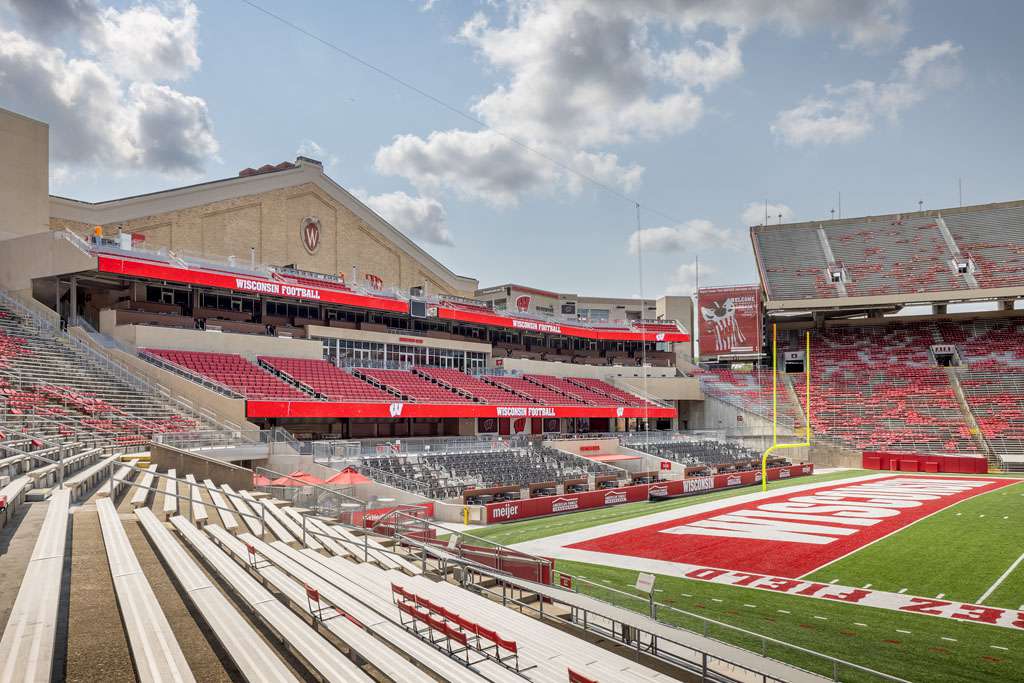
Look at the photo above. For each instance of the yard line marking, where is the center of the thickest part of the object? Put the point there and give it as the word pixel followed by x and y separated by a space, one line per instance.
pixel 751 606
pixel 687 595
pixel 940 596
pixel 857 623
pixel 998 647
pixel 952 640
pixel 783 611
pixel 899 630
pixel 716 600
pixel 1005 517
pixel 822 618
pixel 834 581
pixel 902 590
pixel 867 585
pixel 958 514
pixel 1002 578
pixel 980 516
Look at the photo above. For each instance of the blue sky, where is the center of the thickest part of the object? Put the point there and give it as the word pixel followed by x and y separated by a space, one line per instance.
pixel 697 110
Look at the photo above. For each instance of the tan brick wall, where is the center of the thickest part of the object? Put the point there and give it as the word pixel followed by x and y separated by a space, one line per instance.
pixel 270 222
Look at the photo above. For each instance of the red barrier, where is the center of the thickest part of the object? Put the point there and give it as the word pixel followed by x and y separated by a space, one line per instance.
pixel 571 502
pixel 924 462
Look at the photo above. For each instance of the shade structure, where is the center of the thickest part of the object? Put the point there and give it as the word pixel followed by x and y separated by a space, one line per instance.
pixel 296 478
pixel 260 480
pixel 347 477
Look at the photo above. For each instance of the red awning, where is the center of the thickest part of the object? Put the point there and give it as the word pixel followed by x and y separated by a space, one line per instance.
pixel 347 477
pixel 296 478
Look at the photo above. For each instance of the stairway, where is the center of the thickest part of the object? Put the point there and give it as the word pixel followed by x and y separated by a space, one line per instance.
pixel 994 463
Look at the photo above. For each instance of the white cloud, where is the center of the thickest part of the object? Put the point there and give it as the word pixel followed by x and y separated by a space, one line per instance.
pixel 103 98
pixel 691 235
pixel 754 213
pixel 848 113
pixel 421 218
pixel 313 150
pixel 683 280
pixel 577 76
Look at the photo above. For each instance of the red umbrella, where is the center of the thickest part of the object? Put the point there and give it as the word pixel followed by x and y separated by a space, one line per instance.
pixel 260 480
pixel 347 477
pixel 297 478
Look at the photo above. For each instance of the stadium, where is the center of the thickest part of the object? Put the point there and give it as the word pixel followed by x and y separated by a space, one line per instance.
pixel 251 431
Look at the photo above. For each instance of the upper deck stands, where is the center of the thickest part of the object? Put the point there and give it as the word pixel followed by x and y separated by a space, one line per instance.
pixel 894 255
pixel 994 239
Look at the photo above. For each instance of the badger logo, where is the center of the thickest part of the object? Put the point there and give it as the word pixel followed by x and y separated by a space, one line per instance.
pixel 396 409
pixel 309 232
pixel 722 319
pixel 523 303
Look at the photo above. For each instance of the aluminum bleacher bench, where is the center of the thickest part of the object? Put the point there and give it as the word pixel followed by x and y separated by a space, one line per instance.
pixel 144 487
pixel 226 518
pixel 551 650
pixel 155 650
pixel 272 522
pixel 313 574
pixel 250 653
pixel 199 516
pixel 27 646
pixel 170 489
pixel 352 634
pixel 249 516
pixel 295 521
pixel 84 480
pixel 377 552
pixel 324 536
pixel 320 656
pixel 124 473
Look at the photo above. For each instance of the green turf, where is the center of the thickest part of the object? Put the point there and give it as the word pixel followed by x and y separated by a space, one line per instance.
pixel 832 628
pixel 528 530
pixel 958 552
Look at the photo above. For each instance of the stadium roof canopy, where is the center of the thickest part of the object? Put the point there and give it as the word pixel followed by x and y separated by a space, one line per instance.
pixel 971 253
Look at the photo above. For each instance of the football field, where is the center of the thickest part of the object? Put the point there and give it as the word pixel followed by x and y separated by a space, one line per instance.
pixel 886 571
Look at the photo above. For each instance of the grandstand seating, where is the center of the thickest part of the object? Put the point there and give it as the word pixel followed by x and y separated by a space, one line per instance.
pixel 877 388
pixel 326 379
pixel 567 388
pixel 473 386
pixel 601 387
pixel 59 393
pixel 448 475
pixel 413 387
pixel 994 240
pixel 537 392
pixel 232 371
pixel 709 452
pixel 893 255
pixel 749 390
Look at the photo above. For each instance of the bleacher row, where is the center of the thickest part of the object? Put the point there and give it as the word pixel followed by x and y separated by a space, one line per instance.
pixel 60 394
pixel 342 605
pixel 894 255
pixel 304 379
pixel 878 388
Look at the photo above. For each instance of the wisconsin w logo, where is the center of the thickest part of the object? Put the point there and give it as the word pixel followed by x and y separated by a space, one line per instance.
pixel 396 409
pixel 309 231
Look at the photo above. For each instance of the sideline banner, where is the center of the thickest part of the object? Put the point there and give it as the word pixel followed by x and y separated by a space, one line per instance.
pixel 571 502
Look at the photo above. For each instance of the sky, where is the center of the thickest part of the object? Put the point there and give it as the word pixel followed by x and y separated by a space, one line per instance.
pixel 524 132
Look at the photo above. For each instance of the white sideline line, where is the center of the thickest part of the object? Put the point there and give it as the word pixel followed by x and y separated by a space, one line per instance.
pixel 1001 579
pixel 999 647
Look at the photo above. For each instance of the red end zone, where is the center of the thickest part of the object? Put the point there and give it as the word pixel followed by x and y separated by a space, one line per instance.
pixel 794 533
